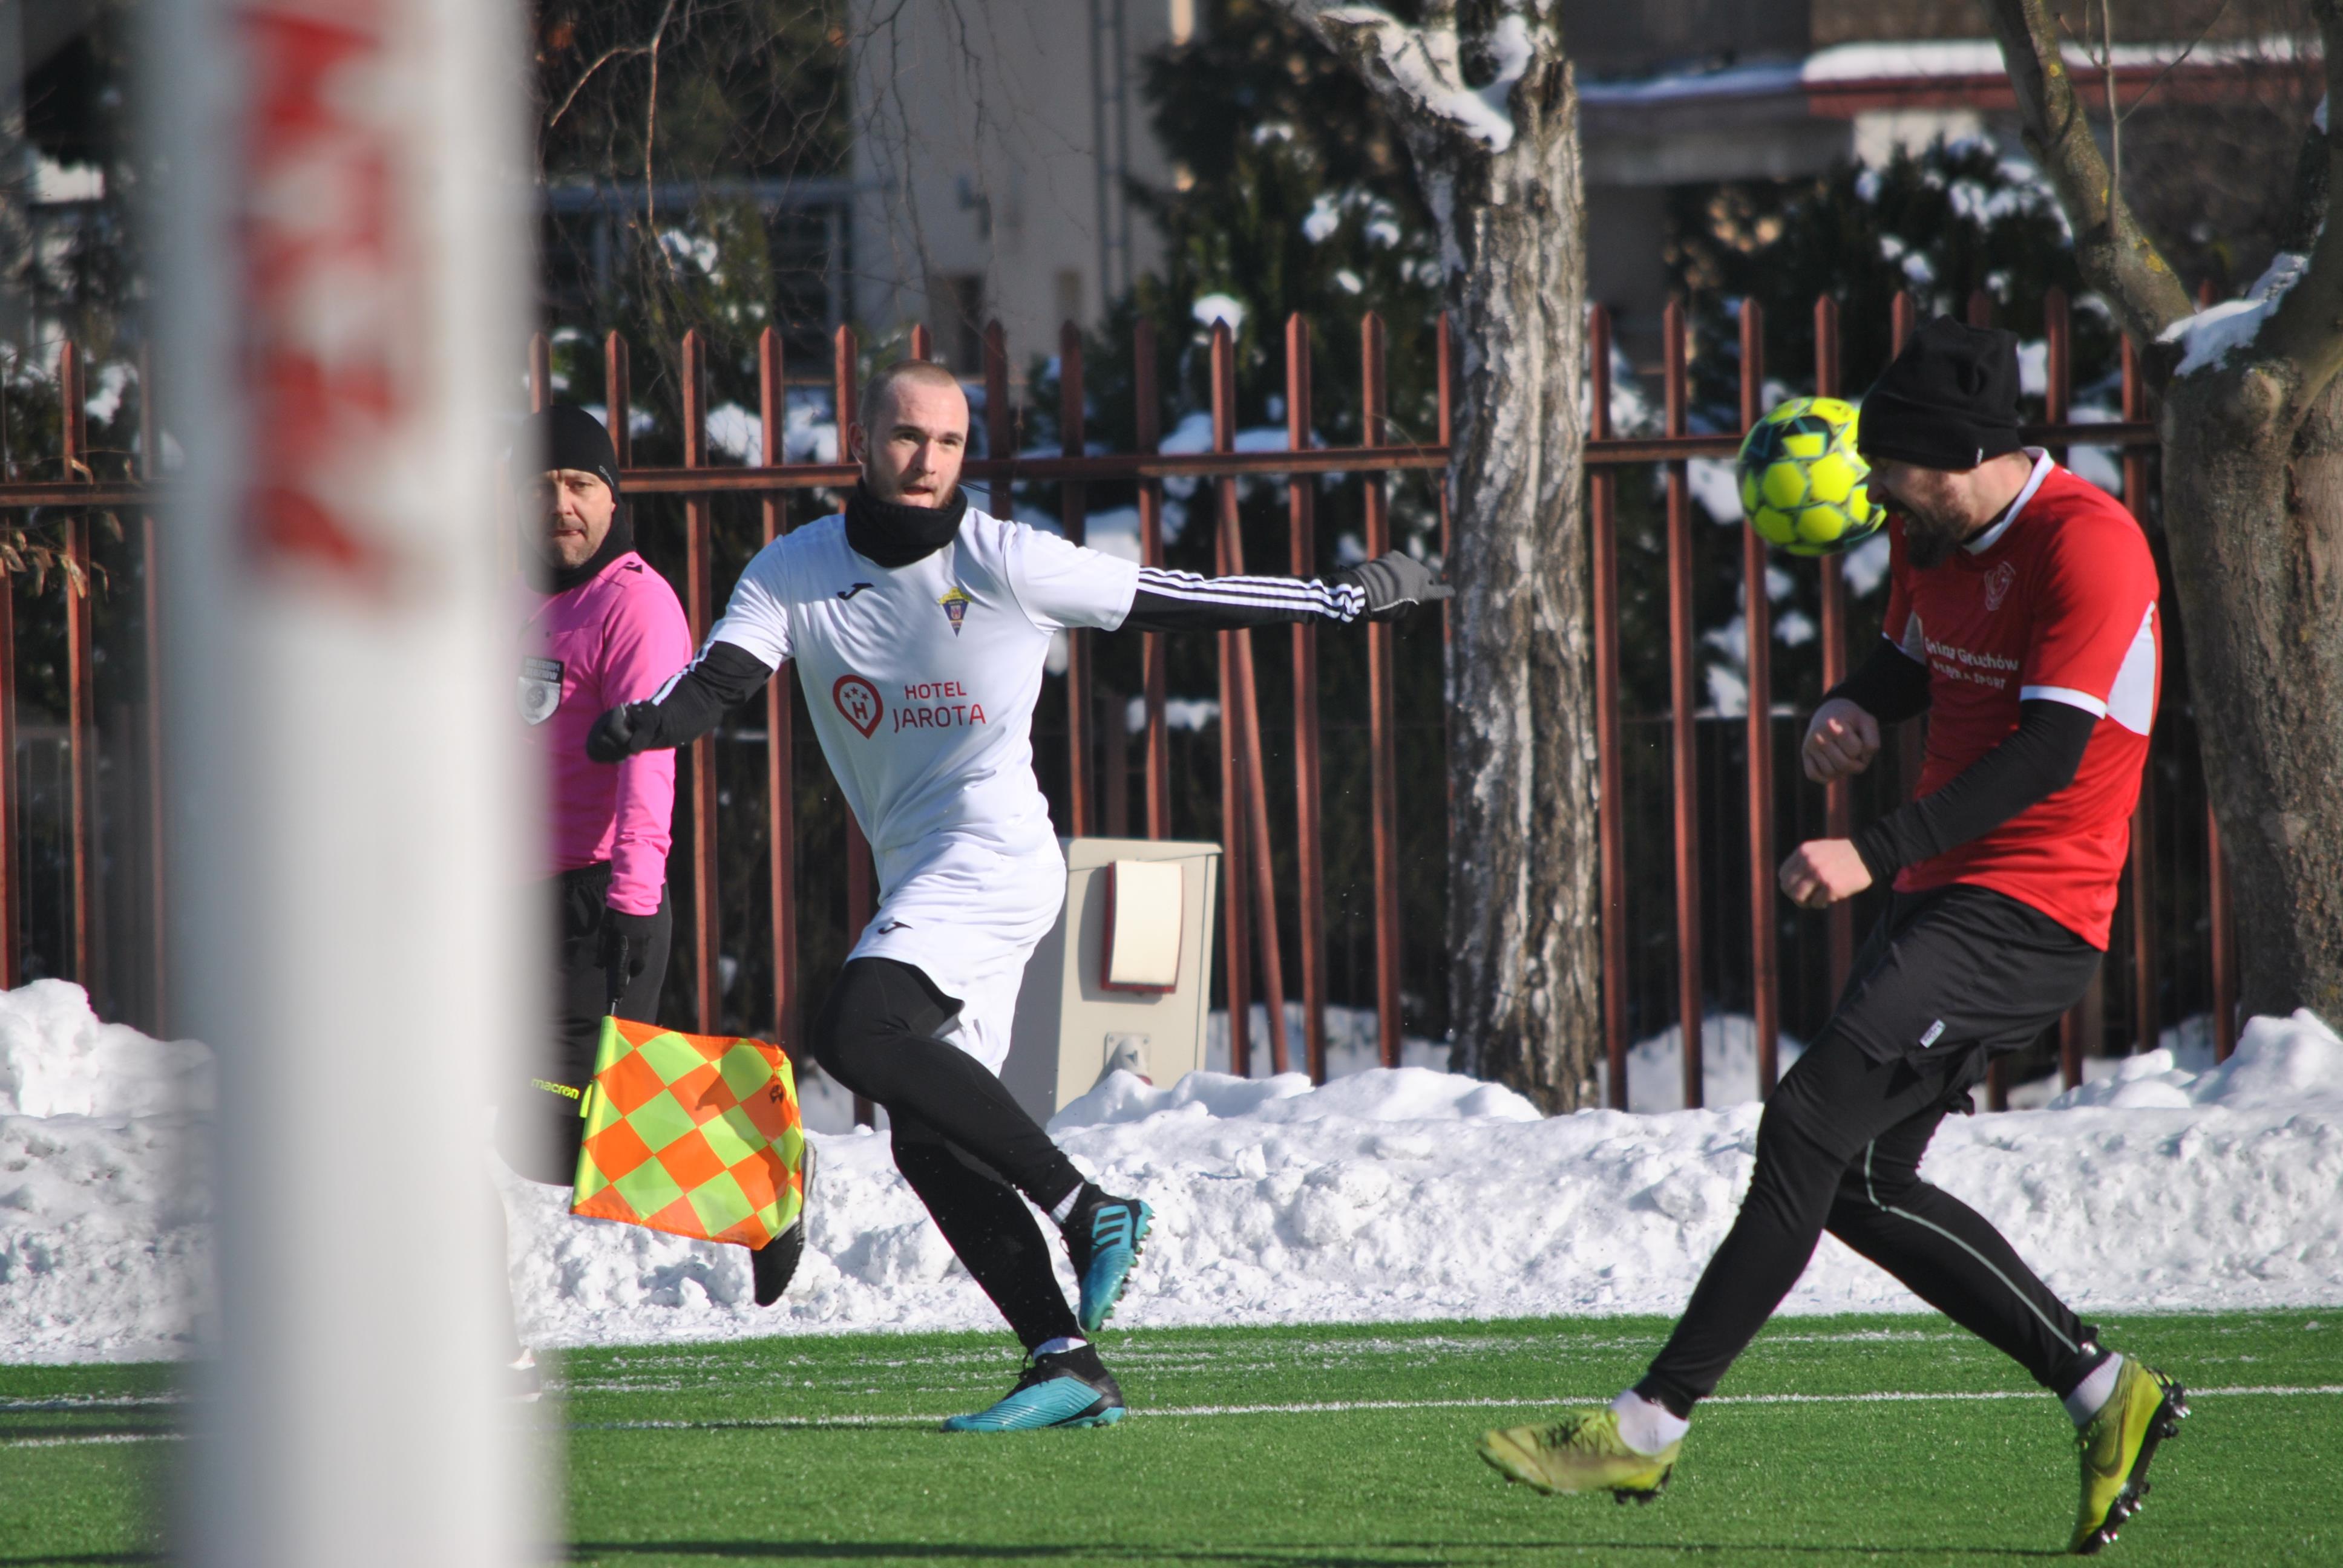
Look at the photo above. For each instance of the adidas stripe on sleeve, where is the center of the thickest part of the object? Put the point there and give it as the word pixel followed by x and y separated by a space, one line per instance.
pixel 1183 602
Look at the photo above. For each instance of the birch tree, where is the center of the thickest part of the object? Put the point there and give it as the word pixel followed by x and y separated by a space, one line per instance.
pixel 2252 433
pixel 1483 95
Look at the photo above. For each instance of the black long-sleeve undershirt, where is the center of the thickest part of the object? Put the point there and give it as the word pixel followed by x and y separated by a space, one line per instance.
pixel 722 677
pixel 2033 762
pixel 1182 601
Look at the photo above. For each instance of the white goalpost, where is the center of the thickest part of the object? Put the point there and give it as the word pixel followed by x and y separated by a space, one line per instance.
pixel 338 247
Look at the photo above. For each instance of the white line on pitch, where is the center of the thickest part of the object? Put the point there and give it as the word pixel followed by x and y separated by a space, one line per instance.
pixel 1332 1407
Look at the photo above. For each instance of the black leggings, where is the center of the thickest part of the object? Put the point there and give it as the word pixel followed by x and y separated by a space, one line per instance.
pixel 961 1140
pixel 1839 1148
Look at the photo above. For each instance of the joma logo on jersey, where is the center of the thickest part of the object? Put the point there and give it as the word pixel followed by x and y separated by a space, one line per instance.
pixel 860 702
pixel 956 605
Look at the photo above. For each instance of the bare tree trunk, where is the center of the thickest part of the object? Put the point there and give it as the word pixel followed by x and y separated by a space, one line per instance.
pixel 1524 962
pixel 1485 96
pixel 2253 498
pixel 2256 525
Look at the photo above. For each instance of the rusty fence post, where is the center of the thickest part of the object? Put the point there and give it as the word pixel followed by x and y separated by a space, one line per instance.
pixel 844 373
pixel 12 968
pixel 81 707
pixel 780 743
pixel 698 592
pixel 150 616
pixel 1147 416
pixel 1074 517
pixel 2223 937
pixel 1301 514
pixel 1382 737
pixel 1603 528
pixel 1757 625
pixel 1837 804
pixel 1912 734
pixel 541 372
pixel 1255 780
pixel 1235 938
pixel 617 397
pixel 1684 754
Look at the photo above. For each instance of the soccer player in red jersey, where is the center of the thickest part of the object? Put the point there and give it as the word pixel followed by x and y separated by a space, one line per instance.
pixel 2022 618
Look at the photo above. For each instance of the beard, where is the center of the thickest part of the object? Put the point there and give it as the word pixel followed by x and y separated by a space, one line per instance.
pixel 1929 539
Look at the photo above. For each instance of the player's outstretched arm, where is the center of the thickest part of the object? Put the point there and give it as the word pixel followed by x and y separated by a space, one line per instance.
pixel 724 676
pixel 1386 588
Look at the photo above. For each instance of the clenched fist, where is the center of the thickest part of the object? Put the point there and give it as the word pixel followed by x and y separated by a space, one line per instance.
pixel 1841 740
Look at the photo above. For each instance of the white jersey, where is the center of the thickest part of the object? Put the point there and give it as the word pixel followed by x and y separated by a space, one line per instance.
pixel 922 679
pixel 922 682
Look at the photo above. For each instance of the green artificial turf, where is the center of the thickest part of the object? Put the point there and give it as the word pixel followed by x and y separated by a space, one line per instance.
pixel 822 1450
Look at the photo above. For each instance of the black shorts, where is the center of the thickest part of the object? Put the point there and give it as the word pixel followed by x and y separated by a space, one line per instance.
pixel 1961 971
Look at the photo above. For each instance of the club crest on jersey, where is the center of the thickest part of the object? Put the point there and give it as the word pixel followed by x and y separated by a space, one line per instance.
pixel 956 603
pixel 540 689
pixel 860 701
pixel 1997 583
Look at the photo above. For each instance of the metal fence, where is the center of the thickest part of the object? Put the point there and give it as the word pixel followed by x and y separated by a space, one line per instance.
pixel 82 808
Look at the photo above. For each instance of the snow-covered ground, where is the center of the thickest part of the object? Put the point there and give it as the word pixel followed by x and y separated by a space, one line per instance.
pixel 1385 1195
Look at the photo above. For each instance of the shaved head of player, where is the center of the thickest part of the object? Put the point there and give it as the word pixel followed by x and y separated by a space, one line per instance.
pixel 911 435
pixel 920 627
pixel 2022 619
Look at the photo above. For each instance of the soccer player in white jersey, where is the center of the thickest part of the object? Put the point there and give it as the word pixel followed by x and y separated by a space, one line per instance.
pixel 920 626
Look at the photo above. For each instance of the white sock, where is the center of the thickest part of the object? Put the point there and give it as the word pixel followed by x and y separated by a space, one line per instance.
pixel 1057 1346
pixel 2091 1395
pixel 1645 1426
pixel 1066 1204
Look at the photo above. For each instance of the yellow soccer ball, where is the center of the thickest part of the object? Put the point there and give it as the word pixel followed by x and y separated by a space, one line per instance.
pixel 1802 487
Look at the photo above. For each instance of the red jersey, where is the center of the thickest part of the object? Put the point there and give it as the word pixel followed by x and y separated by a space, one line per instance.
pixel 2057 601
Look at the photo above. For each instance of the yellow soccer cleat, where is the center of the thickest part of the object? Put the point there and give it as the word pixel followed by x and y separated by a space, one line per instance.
pixel 2116 1444
pixel 1582 1451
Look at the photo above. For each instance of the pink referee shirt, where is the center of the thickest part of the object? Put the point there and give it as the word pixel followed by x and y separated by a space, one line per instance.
pixel 613 640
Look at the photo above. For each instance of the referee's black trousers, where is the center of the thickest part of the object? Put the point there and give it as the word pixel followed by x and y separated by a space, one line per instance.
pixel 1839 1148
pixel 961 1140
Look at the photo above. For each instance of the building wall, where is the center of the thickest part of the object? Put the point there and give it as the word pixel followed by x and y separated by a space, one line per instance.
pixel 991 152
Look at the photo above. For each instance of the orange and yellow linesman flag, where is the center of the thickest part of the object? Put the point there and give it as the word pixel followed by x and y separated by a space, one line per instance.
pixel 691 1134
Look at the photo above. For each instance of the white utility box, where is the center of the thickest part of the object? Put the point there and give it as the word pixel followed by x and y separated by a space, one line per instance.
pixel 1124 976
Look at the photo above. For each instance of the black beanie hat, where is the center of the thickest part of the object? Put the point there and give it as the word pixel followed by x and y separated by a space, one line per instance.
pixel 1949 400
pixel 564 436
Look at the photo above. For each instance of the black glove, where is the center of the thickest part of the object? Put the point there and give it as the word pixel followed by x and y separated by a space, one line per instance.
pixel 625 944
pixel 622 733
pixel 1395 584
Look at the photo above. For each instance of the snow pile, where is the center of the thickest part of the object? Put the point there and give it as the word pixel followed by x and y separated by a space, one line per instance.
pixel 104 1202
pixel 1387 1195
pixel 1412 1193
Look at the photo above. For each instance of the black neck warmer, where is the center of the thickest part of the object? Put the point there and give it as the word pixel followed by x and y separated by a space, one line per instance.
pixel 547 577
pixel 894 535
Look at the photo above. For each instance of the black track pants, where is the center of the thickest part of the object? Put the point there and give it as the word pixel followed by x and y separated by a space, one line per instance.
pixel 961 1140
pixel 538 1128
pixel 1839 1147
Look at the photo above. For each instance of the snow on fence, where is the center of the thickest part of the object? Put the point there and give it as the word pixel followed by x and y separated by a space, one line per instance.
pixel 104 829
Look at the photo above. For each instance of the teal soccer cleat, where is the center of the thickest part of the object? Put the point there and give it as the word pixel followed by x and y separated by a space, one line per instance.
pixel 1071 1387
pixel 1103 1236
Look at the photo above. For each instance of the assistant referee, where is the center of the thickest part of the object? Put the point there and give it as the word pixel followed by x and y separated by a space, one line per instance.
pixel 2022 618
